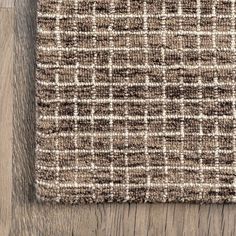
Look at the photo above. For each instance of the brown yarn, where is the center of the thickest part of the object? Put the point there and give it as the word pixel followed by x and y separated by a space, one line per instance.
pixel 136 101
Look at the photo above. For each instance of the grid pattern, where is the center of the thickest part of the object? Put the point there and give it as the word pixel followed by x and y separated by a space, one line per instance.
pixel 136 101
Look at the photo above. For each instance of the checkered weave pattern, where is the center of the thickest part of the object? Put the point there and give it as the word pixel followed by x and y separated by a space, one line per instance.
pixel 136 101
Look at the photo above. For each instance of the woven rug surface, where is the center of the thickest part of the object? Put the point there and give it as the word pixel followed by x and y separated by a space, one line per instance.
pixel 136 101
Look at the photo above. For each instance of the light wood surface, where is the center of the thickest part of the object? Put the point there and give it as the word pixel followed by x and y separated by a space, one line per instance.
pixel 6 3
pixel 6 58
pixel 30 218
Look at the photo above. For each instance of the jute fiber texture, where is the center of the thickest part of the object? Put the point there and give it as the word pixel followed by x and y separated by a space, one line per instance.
pixel 136 101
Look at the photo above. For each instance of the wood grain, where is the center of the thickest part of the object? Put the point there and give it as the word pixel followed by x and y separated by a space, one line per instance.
pixel 6 73
pixel 6 3
pixel 35 219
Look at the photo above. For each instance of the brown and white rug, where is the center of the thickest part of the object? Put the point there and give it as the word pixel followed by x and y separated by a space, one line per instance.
pixel 136 101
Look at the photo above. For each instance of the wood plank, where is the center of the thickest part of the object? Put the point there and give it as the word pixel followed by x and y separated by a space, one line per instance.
pixel 6 73
pixel 32 218
pixel 6 3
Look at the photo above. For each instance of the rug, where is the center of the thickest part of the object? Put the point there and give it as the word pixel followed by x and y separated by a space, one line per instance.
pixel 136 101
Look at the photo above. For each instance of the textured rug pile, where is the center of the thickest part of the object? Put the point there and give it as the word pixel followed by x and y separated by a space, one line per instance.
pixel 136 101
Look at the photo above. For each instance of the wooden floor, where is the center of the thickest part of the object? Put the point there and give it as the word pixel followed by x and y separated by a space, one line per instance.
pixel 20 214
